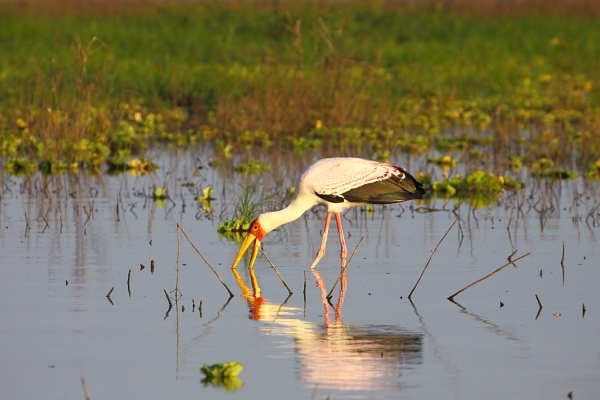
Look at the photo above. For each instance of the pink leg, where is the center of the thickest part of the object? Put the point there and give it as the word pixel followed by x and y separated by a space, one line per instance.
pixel 321 251
pixel 344 251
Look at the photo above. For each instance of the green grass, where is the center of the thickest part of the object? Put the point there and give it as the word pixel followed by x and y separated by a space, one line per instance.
pixel 256 74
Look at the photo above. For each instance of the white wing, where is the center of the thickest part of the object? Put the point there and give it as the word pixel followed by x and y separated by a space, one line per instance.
pixel 335 176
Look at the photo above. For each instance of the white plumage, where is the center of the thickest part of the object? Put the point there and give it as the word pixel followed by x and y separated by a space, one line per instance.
pixel 336 183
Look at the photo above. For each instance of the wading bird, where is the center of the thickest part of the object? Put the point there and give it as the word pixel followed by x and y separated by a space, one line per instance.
pixel 336 183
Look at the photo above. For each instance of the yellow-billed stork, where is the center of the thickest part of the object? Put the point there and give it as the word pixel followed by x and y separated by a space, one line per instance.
pixel 336 183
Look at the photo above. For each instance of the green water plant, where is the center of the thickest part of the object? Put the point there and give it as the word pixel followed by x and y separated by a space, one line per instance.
pixel 223 375
pixel 446 162
pixel 544 168
pixel 480 187
pixel 246 208
pixel 20 166
pixel 206 198
pixel 593 171
pixel 253 167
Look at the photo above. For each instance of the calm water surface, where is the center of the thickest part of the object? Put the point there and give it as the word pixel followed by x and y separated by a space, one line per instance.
pixel 64 245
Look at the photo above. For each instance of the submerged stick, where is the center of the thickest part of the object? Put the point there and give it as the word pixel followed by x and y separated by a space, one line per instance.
pixel 431 256
pixel 275 268
pixel 451 298
pixel 207 263
pixel 85 389
pixel 344 269
pixel 110 292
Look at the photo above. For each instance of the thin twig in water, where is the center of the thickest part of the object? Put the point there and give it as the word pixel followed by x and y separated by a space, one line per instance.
pixel 177 263
pixel 168 298
pixel 509 258
pixel 344 269
pixel 304 291
pixel 562 264
pixel 451 298
pixel 129 283
pixel 539 309
pixel 275 268
pixel 207 263
pixel 110 292
pixel 431 256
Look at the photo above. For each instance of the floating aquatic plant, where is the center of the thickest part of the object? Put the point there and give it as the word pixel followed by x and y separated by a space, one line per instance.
pixel 20 166
pixel 223 375
pixel 159 193
pixel 206 198
pixel 593 171
pixel 481 188
pixel 252 168
pixel 544 169
pixel 446 162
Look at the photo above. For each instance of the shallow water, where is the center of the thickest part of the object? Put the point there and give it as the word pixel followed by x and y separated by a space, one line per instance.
pixel 59 263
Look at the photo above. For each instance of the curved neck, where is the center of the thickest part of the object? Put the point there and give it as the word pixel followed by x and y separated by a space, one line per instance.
pixel 292 212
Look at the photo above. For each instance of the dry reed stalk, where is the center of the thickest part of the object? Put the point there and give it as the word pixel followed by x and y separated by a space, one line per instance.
pixel 431 256
pixel 451 298
pixel 179 227
pixel 275 268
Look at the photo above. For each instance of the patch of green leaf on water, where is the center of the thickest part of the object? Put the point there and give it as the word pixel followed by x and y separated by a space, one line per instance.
pixel 544 168
pixel 593 171
pixel 20 166
pixel 253 167
pixel 58 167
pixel 479 188
pixel 206 198
pixel 223 375
pixel 159 193
pixel 446 162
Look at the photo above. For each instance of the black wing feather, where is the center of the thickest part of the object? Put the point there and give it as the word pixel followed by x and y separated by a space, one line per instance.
pixel 391 190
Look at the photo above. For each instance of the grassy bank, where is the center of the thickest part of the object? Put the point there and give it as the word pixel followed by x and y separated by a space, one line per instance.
pixel 89 82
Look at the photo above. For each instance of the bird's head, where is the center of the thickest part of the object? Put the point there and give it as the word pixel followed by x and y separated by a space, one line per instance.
pixel 255 234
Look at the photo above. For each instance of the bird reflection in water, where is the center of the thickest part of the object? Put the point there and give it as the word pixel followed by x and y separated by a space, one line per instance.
pixel 333 355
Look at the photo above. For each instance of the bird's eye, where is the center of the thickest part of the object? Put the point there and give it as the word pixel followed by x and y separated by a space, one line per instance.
pixel 255 227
